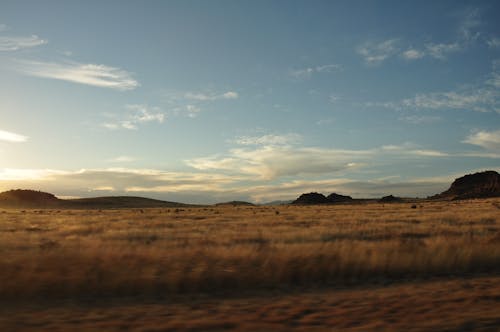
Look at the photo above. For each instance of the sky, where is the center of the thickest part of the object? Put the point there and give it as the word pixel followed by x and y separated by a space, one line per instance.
pixel 210 101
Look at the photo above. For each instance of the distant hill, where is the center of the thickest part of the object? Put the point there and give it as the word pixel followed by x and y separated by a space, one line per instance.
pixel 24 198
pixel 278 202
pixel 390 199
pixel 109 202
pixel 20 198
pixel 235 203
pixel 477 185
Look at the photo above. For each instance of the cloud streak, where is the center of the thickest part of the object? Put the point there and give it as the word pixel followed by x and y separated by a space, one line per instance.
pixel 89 74
pixel 489 140
pixel 11 44
pixel 8 136
pixel 199 96
pixel 269 140
pixel 375 53
pixel 483 97
pixel 308 72
pixel 280 159
pixel 139 114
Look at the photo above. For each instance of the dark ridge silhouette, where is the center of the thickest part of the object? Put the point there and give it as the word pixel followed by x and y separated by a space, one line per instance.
pixel 311 198
pixel 23 198
pixel 111 202
pixel 235 203
pixel 28 198
pixel 390 199
pixel 477 185
pixel 278 202
pixel 337 198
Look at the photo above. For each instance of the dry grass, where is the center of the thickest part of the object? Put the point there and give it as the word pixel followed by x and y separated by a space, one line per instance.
pixel 434 305
pixel 162 252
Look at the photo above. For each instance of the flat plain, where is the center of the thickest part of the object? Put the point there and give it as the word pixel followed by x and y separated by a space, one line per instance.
pixel 419 266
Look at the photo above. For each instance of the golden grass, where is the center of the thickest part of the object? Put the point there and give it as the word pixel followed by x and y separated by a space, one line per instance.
pixel 160 252
pixel 434 305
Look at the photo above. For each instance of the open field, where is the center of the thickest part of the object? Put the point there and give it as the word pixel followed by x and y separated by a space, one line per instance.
pixel 437 264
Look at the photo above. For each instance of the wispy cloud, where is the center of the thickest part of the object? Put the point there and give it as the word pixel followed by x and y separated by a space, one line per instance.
pixel 375 53
pixel 89 74
pixel 272 161
pixel 326 121
pixel 138 114
pixel 489 140
pixel 269 140
pixel 482 97
pixel 3 27
pixel 441 50
pixel 8 136
pixel 10 44
pixel 193 110
pixel 199 96
pixel 305 73
pixel 467 27
pixel 191 104
pixel 417 119
pixel 413 54
pixel 493 42
pixel 122 159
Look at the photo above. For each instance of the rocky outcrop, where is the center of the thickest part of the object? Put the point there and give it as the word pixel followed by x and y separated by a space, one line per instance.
pixel 311 198
pixel 337 198
pixel 477 185
pixel 390 199
pixel 317 198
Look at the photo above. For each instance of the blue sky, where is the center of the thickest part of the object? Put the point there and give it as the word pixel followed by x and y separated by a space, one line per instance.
pixel 206 101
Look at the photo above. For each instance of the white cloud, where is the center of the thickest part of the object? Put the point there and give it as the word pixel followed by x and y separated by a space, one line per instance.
pixel 271 161
pixel 89 74
pixel 482 97
pixel 191 104
pixel 139 114
pixel 144 113
pixel 13 174
pixel 413 54
pixel 305 73
pixel 193 110
pixel 18 43
pixel 376 53
pixel 440 51
pixel 466 28
pixel 3 27
pixel 230 95
pixel 493 42
pixel 122 159
pixel 416 119
pixel 326 121
pixel 8 136
pixel 269 140
pixel 480 100
pixel 489 140
pixel 198 96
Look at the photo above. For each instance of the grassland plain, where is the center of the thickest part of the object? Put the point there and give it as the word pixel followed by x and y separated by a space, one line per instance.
pixel 357 267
